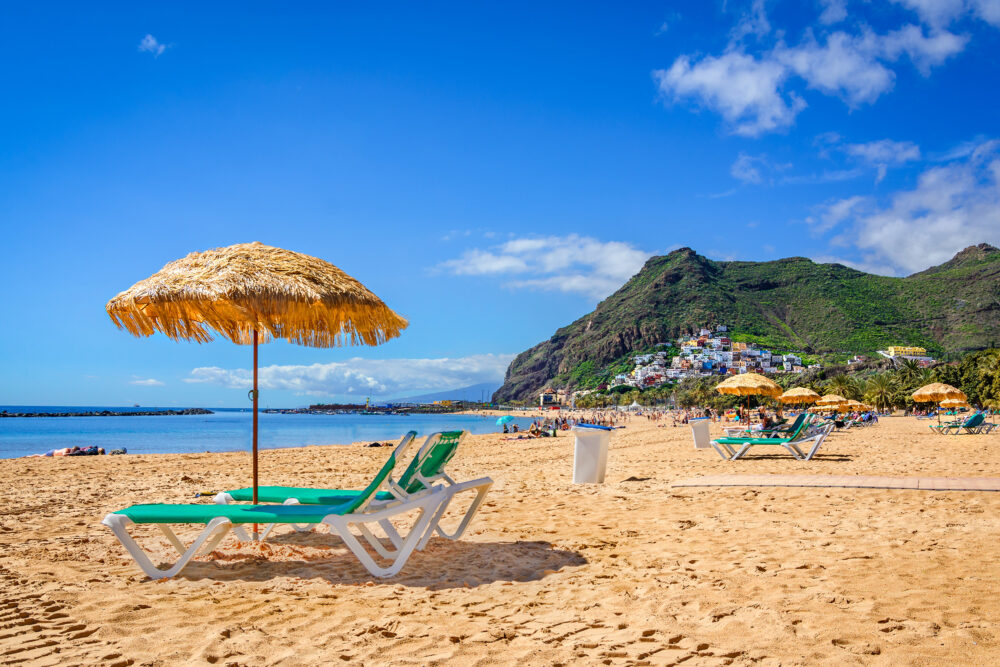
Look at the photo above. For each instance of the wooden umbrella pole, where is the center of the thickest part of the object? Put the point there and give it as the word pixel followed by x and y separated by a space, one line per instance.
pixel 255 426
pixel 254 416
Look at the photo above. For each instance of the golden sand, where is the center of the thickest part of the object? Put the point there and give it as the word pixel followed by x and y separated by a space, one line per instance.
pixel 629 572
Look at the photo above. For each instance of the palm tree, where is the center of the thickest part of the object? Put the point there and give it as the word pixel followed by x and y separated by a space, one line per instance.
pixel 879 390
pixel 843 385
pixel 909 369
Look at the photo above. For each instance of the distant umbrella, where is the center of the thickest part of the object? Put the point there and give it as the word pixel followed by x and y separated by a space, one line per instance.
pixel 251 293
pixel 937 392
pixel 506 419
pixel 799 395
pixel 749 384
pixel 831 401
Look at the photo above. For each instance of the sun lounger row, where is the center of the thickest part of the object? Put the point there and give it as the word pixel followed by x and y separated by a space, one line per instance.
pixel 423 489
pixel 806 434
pixel 974 424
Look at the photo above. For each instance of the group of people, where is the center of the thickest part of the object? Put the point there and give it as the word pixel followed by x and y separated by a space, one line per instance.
pixel 540 428
pixel 93 450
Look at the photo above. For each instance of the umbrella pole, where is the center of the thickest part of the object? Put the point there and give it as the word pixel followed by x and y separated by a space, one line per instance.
pixel 255 425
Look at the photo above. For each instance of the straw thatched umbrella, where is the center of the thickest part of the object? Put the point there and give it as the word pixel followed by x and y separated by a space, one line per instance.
pixel 937 392
pixel 251 293
pixel 831 401
pixel 749 384
pixel 799 395
pixel 954 403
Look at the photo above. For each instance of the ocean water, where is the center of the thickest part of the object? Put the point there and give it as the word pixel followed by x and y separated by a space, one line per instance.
pixel 223 431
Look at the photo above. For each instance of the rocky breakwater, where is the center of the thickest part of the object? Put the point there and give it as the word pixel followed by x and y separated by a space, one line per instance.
pixel 110 413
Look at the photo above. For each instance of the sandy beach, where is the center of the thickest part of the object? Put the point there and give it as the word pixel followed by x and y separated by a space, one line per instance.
pixel 629 572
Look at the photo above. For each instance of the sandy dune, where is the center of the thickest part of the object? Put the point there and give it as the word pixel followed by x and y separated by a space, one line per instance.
pixel 631 572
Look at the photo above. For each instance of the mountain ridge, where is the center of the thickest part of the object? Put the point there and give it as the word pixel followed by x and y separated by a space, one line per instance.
pixel 791 303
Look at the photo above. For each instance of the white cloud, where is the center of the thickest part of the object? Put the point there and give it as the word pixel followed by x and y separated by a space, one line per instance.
pixel 753 22
pixel 383 378
pixel 755 169
pixel 924 51
pixel 743 89
pixel 846 66
pixel 573 263
pixel 884 153
pixel 746 169
pixel 952 206
pixel 149 44
pixel 935 12
pixel 750 91
pixel 987 10
pixel 939 13
pixel 145 382
pixel 836 212
pixel 834 11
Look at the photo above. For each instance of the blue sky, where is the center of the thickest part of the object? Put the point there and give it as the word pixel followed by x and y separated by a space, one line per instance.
pixel 491 171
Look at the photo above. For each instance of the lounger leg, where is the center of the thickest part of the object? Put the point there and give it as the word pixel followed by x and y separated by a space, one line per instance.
pixel 297 527
pixel 376 543
pixel 209 538
pixel 342 526
pixel 743 450
pixel 794 451
pixel 723 450
pixel 481 486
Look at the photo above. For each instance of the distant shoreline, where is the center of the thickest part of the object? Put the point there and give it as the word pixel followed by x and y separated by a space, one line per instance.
pixel 108 413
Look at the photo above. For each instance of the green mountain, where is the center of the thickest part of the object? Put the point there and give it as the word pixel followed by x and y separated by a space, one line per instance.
pixel 788 304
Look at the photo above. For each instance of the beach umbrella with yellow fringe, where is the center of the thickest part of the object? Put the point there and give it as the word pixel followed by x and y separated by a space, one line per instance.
pixel 831 401
pixel 252 293
pixel 953 403
pixel 799 395
pixel 749 384
pixel 937 392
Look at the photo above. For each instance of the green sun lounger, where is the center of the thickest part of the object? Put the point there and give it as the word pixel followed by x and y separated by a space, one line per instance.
pixel 973 425
pixel 787 431
pixel 357 512
pixel 426 469
pixel 736 448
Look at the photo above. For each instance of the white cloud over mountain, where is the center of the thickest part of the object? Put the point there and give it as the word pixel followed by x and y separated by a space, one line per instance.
pixel 951 206
pixel 572 263
pixel 360 377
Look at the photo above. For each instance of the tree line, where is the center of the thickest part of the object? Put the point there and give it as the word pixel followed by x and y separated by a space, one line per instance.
pixel 977 375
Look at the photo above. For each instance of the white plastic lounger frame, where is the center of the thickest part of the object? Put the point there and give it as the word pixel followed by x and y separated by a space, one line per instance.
pixel 730 453
pixel 428 504
pixel 481 486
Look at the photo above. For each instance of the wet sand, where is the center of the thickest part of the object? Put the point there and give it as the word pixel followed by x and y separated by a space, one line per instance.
pixel 629 572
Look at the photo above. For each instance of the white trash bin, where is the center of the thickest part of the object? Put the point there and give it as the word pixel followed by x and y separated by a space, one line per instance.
pixel 590 457
pixel 699 429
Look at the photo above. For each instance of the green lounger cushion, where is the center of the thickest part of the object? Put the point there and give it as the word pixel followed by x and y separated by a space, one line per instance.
pixel 441 453
pixel 163 513
pixel 756 441
pixel 307 496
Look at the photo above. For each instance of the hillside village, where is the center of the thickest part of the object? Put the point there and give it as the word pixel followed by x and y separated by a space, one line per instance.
pixel 711 352
pixel 707 353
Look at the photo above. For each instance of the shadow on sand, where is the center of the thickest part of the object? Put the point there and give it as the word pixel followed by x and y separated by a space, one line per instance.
pixel 443 564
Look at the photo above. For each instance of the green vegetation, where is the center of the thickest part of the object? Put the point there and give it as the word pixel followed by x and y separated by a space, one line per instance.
pixel 878 384
pixel 827 311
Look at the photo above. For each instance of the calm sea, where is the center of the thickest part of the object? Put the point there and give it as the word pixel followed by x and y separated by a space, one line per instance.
pixel 223 431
